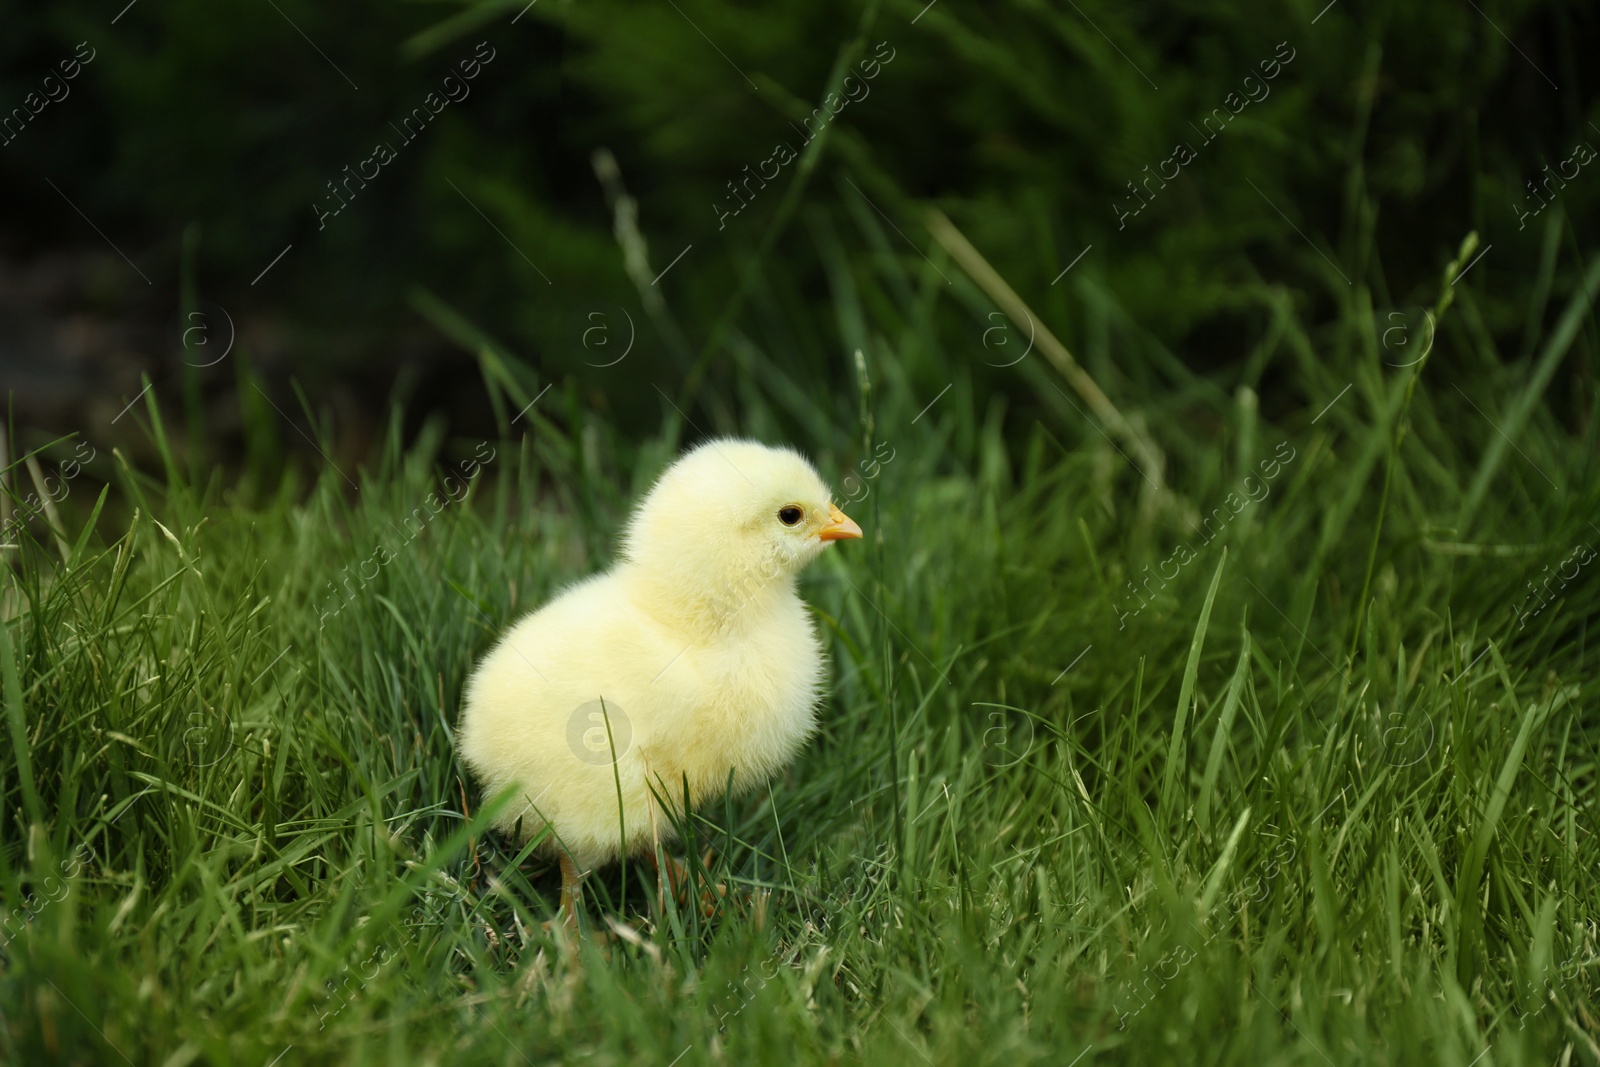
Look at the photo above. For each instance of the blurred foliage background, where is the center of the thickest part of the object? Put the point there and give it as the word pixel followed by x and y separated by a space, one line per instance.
pixel 200 136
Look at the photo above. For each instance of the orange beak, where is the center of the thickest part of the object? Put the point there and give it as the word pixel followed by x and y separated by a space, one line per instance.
pixel 841 528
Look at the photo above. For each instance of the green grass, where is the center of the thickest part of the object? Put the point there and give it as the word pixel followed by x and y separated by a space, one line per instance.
pixel 1322 799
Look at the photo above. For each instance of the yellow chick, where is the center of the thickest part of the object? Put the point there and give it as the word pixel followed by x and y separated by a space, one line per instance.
pixel 693 656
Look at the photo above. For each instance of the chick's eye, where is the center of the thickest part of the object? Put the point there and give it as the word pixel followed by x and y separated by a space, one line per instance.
pixel 790 515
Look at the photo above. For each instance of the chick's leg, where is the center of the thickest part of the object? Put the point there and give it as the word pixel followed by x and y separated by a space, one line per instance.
pixel 570 879
pixel 655 844
pixel 677 875
pixel 655 850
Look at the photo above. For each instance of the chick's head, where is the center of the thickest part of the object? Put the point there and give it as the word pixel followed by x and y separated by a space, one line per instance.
pixel 730 522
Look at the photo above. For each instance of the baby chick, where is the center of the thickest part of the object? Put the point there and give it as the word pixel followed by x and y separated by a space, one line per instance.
pixel 691 658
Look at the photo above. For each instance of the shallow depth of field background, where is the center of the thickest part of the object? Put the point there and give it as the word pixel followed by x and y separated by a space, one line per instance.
pixel 1216 385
